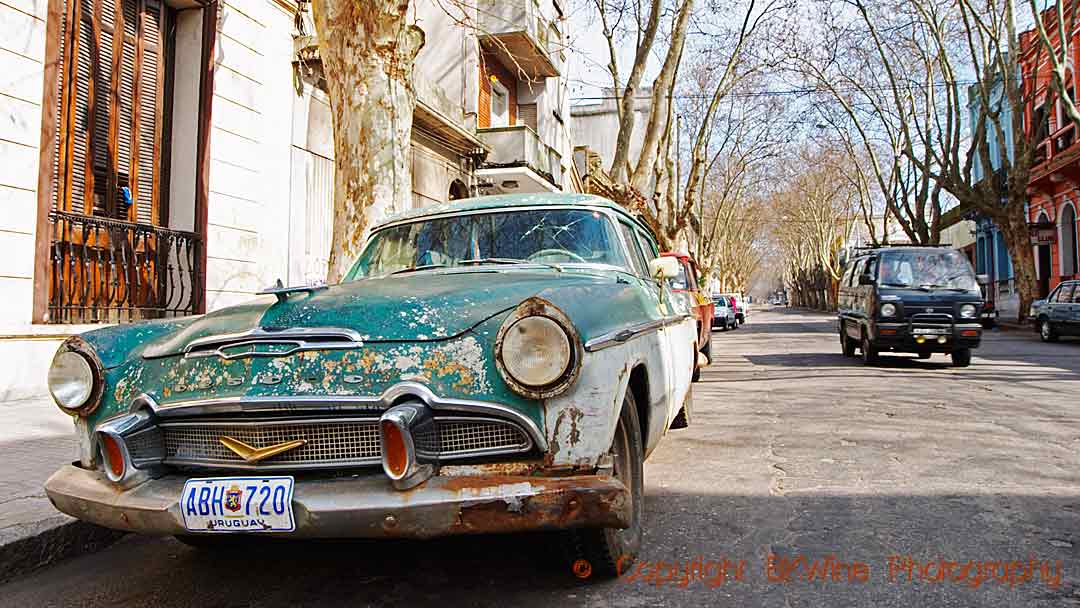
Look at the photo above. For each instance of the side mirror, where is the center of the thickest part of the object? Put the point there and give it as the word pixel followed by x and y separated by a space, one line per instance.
pixel 866 279
pixel 664 267
pixel 983 279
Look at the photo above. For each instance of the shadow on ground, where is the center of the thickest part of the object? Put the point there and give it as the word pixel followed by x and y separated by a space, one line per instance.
pixel 523 570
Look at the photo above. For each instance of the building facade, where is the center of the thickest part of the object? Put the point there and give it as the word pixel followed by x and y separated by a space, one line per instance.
pixel 1054 186
pixel 166 158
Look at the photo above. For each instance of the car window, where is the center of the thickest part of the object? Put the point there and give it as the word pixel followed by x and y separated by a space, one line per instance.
pixel 1064 294
pixel 1076 293
pixel 846 279
pixel 647 248
pixel 857 271
pixel 691 275
pixel 636 256
pixel 680 281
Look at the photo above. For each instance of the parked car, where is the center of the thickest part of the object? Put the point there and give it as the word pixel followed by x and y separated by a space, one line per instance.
pixel 687 285
pixel 1059 314
pixel 741 307
pixel 461 379
pixel 723 313
pixel 920 300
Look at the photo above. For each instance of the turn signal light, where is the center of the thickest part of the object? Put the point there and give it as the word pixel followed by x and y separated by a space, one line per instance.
pixel 395 454
pixel 114 456
pixel 888 332
pixel 970 333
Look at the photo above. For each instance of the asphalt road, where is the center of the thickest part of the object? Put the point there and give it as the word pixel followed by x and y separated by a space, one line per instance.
pixel 843 473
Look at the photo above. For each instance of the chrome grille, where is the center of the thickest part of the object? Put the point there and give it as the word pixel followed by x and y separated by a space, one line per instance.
pixel 330 442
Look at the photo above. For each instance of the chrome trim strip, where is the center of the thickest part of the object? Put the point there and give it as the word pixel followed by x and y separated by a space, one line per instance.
pixel 341 403
pixel 621 336
pixel 300 337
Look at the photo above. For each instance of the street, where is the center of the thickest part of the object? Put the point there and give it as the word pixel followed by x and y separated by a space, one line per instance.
pixel 793 451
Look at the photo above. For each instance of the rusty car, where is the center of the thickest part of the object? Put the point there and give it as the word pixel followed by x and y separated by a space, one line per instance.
pixel 498 364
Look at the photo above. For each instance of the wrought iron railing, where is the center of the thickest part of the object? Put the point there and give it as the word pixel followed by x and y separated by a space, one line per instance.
pixel 111 271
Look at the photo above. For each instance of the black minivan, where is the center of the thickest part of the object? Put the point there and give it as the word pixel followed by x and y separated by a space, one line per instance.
pixel 921 300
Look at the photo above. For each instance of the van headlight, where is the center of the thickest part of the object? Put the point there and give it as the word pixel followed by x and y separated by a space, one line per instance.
pixel 888 310
pixel 537 351
pixel 967 311
pixel 74 378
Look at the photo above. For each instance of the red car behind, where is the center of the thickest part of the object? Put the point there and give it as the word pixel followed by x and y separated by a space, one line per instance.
pixel 688 285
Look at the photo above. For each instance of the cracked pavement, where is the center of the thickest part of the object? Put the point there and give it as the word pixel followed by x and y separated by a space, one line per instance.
pixel 793 451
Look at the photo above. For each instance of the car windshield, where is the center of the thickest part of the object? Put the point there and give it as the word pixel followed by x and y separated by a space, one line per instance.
pixel 540 236
pixel 720 302
pixel 944 269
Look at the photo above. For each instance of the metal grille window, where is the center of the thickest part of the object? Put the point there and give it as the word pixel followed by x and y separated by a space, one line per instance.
pixel 112 258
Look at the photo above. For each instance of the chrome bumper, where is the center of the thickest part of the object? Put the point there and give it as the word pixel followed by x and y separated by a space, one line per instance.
pixel 367 506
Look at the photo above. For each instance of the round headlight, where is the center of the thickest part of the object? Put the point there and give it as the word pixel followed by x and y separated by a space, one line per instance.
pixel 536 351
pixel 71 380
pixel 967 311
pixel 888 310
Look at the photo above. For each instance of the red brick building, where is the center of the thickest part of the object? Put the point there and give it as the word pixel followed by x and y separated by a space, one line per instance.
pixel 1054 186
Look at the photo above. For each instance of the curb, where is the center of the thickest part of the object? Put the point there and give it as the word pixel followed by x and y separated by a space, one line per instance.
pixel 32 546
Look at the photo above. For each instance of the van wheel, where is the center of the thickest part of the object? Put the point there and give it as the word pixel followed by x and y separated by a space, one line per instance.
pixel 608 550
pixel 847 345
pixel 1046 331
pixel 869 353
pixel 961 357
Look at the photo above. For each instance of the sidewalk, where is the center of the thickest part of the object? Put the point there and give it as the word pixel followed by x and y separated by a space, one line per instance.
pixel 35 439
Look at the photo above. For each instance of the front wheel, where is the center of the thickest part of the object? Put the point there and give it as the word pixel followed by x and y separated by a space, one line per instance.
pixel 847 345
pixel 869 352
pixel 1047 333
pixel 961 357
pixel 609 550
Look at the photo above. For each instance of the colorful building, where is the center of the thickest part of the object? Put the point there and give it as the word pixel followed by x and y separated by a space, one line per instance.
pixel 1054 187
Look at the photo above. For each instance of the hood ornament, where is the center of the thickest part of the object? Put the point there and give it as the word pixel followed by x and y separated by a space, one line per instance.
pixel 252 454
pixel 282 293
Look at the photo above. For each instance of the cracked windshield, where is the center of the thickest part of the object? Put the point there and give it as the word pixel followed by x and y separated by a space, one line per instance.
pixel 532 236
pixel 534 303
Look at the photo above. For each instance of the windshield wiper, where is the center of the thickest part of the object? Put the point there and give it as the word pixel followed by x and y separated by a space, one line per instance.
pixel 416 268
pixel 506 261
pixel 932 286
pixel 896 284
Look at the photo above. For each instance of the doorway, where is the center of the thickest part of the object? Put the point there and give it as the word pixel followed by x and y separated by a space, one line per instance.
pixel 1045 268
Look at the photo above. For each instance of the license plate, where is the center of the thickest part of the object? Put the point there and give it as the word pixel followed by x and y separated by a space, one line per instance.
pixel 238 504
pixel 931 331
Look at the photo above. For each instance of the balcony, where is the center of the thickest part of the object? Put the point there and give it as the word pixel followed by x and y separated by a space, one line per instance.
pixel 1056 157
pixel 518 155
pixel 516 32
pixel 111 271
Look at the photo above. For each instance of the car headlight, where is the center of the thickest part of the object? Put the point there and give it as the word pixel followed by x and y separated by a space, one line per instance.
pixel 888 310
pixel 967 311
pixel 73 379
pixel 536 350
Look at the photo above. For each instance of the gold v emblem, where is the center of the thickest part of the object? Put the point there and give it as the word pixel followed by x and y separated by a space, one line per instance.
pixel 252 454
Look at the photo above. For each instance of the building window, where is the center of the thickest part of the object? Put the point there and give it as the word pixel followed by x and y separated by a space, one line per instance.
pixel 111 255
pixel 1068 241
pixel 458 190
pixel 500 105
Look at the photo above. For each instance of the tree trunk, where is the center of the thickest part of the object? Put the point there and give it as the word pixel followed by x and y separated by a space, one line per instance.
pixel 1018 241
pixel 367 50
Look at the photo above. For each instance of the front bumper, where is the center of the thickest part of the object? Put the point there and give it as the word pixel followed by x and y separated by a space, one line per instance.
pixel 901 337
pixel 367 506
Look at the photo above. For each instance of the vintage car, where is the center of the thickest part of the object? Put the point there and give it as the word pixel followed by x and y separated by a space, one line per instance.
pixel 1059 314
pixel 499 364
pixel 687 285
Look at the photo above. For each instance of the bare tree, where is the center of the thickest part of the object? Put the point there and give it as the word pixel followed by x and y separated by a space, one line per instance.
pixel 367 50
pixel 1057 43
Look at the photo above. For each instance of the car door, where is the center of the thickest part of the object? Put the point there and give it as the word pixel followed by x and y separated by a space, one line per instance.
pixel 1059 306
pixel 1074 311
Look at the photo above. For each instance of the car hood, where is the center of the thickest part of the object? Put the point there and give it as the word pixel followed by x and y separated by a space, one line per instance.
pixel 912 297
pixel 415 307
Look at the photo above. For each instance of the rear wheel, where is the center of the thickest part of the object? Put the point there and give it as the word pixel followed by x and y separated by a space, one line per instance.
pixel 961 357
pixel 608 550
pixel 847 345
pixel 1047 333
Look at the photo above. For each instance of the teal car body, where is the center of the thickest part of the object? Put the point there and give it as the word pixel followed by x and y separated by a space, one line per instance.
pixel 425 335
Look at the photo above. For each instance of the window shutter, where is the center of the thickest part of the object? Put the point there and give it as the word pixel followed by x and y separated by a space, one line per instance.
pixel 113 94
pixel 527 115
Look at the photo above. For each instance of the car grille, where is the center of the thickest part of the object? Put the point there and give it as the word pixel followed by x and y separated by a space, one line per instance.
pixel 328 443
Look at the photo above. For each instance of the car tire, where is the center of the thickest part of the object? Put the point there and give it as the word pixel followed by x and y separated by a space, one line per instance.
pixel 961 357
pixel 1047 333
pixel 610 551
pixel 847 345
pixel 869 353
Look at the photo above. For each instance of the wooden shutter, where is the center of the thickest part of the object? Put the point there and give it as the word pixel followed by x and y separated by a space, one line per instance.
pixel 527 115
pixel 113 95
